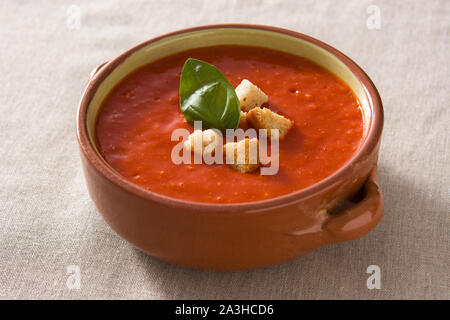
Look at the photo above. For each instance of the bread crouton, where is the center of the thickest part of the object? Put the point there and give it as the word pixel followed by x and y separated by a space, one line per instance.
pixel 266 119
pixel 243 156
pixel 243 120
pixel 199 141
pixel 250 96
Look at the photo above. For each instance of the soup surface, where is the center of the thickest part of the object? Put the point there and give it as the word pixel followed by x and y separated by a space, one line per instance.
pixel 137 118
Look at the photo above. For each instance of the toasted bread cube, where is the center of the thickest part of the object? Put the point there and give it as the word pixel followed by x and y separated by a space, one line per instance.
pixel 243 120
pixel 243 156
pixel 195 138
pixel 266 119
pixel 250 96
pixel 199 141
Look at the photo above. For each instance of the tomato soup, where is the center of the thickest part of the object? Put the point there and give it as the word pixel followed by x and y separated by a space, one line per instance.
pixel 136 121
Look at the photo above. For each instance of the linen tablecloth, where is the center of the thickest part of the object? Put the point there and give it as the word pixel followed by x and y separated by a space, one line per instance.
pixel 50 230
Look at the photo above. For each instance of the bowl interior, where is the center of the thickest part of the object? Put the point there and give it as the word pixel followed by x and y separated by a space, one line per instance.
pixel 222 36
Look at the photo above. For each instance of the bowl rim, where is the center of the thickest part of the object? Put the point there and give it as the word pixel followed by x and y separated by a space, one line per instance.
pixel 371 141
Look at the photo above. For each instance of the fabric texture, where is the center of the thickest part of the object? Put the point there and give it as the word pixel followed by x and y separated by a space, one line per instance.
pixel 48 224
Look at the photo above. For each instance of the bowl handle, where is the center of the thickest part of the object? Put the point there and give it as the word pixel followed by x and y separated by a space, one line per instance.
pixel 362 217
pixel 96 70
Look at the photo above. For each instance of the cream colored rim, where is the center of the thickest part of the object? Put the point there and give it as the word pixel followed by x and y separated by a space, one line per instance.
pixel 225 36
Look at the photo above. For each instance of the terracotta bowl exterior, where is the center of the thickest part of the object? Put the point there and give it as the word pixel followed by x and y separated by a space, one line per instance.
pixel 245 235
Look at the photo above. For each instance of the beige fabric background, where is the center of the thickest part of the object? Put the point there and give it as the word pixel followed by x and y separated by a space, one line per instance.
pixel 48 222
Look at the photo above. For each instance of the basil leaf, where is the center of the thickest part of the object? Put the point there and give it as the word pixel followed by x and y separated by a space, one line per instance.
pixel 206 95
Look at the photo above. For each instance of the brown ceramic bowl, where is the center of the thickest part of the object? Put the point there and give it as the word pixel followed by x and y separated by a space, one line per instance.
pixel 244 235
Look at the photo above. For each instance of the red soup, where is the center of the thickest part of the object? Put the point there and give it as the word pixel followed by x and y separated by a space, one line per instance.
pixel 136 120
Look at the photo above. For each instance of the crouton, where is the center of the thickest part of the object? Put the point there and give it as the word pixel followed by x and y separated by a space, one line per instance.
pixel 266 119
pixel 243 156
pixel 199 141
pixel 243 120
pixel 250 96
